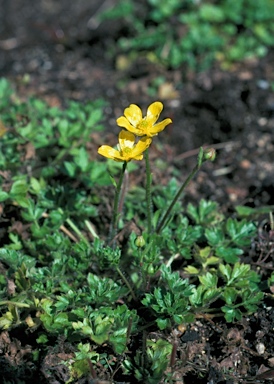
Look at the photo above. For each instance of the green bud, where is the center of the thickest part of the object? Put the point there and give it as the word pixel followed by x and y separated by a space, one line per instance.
pixel 209 154
pixel 150 269
pixel 140 242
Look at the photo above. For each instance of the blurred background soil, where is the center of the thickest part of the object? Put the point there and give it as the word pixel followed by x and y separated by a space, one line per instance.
pixel 59 50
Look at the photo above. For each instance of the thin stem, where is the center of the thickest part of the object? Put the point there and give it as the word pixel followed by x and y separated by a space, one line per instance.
pixel 91 229
pixel 76 230
pixel 141 256
pixel 123 192
pixel 144 347
pixel 115 215
pixel 19 305
pixel 148 193
pixel 163 221
pixel 127 283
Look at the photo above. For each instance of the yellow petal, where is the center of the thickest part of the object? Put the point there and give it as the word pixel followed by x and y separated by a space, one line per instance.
pixel 134 114
pixel 159 127
pixel 126 139
pixel 110 153
pixel 141 146
pixel 153 111
pixel 138 157
pixel 124 123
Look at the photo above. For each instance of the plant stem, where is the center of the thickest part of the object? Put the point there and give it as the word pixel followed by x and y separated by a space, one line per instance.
pixel 76 230
pixel 114 220
pixel 148 192
pixel 91 229
pixel 143 274
pixel 163 221
pixel 19 305
pixel 127 283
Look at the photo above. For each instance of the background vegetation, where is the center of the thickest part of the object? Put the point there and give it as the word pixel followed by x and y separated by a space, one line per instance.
pixel 194 34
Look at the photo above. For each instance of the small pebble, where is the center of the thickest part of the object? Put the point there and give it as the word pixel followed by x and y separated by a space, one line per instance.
pixel 260 348
pixel 263 84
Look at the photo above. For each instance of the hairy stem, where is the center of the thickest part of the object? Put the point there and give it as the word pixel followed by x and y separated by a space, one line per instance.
pixel 148 193
pixel 115 215
pixel 163 221
pixel 127 283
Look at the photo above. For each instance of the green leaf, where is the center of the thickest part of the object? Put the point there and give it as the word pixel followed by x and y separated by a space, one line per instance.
pixel 19 187
pixel 206 213
pixel 70 168
pixel 81 159
pixel 193 212
pixel 240 271
pixel 225 271
pixel 163 323
pixel 204 253
pixel 192 270
pixel 240 276
pixel 231 314
pixel 240 232
pixel 230 295
pixel 6 320
pixel 36 185
pixel 62 303
pixel 118 340
pixel 15 259
pixel 46 305
pixel 104 290
pixel 42 339
pixel 99 338
pixel 212 13
pixel 61 319
pixel 215 236
pixel 6 90
pixel 251 301
pixel 3 196
pixel 248 211
pixel 94 118
pixel 209 280
pixel 210 295
pixel 230 255
pixel 174 282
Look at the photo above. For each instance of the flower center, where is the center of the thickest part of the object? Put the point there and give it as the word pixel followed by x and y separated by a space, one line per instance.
pixel 143 125
pixel 127 151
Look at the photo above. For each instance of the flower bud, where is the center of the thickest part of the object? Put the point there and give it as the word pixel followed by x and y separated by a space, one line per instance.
pixel 150 269
pixel 140 242
pixel 209 154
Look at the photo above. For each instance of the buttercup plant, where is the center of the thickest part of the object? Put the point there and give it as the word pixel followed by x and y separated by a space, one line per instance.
pixel 60 280
pixel 146 128
pixel 134 121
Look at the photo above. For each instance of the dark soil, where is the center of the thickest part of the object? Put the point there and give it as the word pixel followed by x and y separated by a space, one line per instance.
pixel 56 50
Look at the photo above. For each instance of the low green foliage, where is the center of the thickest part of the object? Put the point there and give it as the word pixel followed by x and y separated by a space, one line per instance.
pixel 150 366
pixel 62 279
pixel 195 33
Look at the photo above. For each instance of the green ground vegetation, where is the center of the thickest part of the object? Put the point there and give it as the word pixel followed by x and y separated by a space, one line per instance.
pixel 194 34
pixel 62 278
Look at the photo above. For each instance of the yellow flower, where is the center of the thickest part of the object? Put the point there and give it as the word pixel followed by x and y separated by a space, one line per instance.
pixel 134 121
pixel 127 150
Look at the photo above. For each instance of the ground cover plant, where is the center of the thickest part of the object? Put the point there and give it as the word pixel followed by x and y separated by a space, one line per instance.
pixel 193 34
pixel 111 284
